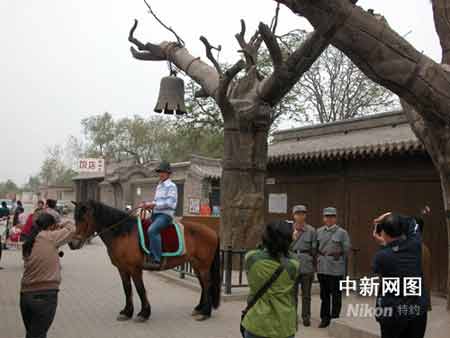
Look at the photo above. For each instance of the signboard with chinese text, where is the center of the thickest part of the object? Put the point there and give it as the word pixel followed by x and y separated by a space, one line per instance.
pixel 91 165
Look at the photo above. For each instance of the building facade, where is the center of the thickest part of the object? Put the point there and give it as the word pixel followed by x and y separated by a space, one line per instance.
pixel 127 184
pixel 364 167
pixel 57 192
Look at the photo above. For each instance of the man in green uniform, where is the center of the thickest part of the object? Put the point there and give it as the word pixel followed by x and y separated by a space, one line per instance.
pixel 304 247
pixel 333 246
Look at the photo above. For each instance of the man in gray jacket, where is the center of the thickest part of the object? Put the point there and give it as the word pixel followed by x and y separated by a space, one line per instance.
pixel 304 246
pixel 333 246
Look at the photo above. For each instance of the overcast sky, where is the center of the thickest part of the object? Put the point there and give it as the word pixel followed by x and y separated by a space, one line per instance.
pixel 63 60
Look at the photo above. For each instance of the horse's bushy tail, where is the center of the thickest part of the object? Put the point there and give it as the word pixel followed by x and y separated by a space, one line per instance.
pixel 215 279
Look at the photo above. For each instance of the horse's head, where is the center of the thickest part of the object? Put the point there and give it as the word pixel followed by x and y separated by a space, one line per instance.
pixel 85 224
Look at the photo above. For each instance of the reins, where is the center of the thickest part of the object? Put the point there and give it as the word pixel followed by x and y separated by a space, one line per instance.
pixel 111 227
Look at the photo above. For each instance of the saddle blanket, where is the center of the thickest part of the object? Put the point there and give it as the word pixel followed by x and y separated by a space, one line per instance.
pixel 172 238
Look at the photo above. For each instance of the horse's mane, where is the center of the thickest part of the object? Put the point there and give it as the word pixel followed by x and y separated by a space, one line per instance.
pixel 106 216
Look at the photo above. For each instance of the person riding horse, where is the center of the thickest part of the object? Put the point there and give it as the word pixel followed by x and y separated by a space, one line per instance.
pixel 163 205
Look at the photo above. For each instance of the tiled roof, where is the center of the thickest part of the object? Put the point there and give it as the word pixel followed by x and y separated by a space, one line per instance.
pixel 374 135
pixel 207 171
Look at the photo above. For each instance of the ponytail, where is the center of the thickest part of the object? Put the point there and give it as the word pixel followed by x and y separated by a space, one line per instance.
pixel 43 222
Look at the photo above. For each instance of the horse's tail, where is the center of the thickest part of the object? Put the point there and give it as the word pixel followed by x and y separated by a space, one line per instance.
pixel 215 279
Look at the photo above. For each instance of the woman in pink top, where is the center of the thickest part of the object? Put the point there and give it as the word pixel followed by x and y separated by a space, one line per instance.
pixel 42 274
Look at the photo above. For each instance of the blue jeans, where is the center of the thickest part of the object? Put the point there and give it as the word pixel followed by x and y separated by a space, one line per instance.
pixel 251 335
pixel 159 223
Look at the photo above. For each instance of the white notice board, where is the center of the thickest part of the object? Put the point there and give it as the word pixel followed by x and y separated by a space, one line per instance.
pixel 277 203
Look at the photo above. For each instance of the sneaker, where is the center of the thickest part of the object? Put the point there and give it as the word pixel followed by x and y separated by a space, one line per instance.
pixel 151 264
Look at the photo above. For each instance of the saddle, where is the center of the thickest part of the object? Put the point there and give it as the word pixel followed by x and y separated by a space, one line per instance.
pixel 172 238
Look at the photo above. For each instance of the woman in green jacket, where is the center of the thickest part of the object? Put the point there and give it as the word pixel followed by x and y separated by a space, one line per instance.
pixel 275 313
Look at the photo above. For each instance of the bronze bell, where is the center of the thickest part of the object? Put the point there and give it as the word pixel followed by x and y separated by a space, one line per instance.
pixel 171 96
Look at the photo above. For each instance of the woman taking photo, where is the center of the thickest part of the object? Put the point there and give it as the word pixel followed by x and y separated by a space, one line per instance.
pixel 272 276
pixel 42 274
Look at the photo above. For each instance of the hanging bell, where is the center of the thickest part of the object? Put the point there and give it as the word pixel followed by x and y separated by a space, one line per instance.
pixel 171 96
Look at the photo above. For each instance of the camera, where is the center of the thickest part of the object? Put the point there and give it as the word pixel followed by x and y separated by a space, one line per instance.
pixel 395 224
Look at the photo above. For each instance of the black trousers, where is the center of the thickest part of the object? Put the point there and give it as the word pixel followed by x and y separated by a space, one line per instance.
pixel 38 311
pixel 330 297
pixel 404 328
pixel 305 282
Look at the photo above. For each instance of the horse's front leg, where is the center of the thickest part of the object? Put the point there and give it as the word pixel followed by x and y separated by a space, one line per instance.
pixel 146 309
pixel 127 312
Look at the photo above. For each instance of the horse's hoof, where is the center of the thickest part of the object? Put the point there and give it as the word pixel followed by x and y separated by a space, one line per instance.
pixel 195 313
pixel 140 319
pixel 122 317
pixel 200 317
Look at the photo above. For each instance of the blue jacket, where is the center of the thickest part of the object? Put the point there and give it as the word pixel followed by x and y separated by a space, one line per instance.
pixel 399 259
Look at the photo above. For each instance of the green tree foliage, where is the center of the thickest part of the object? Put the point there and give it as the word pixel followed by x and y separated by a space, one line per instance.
pixel 32 184
pixel 99 133
pixel 145 139
pixel 199 141
pixel 8 187
pixel 53 170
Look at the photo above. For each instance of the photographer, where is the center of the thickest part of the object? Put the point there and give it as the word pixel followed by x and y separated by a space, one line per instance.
pixel 272 274
pixel 402 315
pixel 42 275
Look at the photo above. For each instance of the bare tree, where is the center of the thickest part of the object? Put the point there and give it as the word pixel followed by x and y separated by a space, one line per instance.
pixel 388 59
pixel 247 105
pixel 333 89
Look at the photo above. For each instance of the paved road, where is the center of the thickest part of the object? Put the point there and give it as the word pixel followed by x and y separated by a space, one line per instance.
pixel 91 296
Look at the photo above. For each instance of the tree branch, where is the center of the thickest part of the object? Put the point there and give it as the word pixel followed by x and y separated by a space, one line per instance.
pixel 285 76
pixel 222 97
pixel 383 55
pixel 272 45
pixel 202 73
pixel 441 14
pixel 249 49
pixel 274 23
pixel 211 58
pixel 170 29
pixel 149 51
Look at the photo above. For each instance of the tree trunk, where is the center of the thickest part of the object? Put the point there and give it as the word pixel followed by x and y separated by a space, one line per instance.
pixel 436 138
pixel 445 183
pixel 243 180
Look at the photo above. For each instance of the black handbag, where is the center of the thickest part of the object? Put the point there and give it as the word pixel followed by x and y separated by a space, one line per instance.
pixel 259 294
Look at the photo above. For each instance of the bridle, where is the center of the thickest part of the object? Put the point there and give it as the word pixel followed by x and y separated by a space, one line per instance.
pixel 109 227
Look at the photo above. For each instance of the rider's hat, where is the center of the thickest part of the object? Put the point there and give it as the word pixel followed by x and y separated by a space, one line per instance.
pixel 164 167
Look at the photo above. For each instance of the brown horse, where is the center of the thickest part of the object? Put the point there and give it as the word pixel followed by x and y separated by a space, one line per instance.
pixel 118 231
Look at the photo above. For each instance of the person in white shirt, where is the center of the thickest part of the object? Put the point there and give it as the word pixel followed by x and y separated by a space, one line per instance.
pixel 163 206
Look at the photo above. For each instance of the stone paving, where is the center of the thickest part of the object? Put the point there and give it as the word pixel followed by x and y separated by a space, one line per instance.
pixel 91 296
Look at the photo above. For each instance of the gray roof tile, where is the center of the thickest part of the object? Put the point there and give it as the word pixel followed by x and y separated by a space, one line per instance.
pixel 376 134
